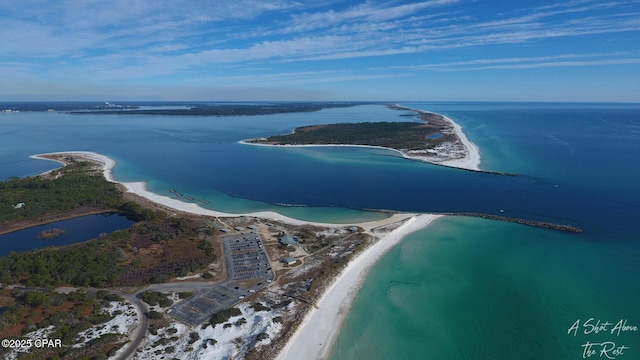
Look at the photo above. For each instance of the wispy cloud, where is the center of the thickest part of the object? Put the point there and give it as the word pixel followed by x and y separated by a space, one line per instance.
pixel 92 28
pixel 341 40
pixel 562 60
pixel 547 64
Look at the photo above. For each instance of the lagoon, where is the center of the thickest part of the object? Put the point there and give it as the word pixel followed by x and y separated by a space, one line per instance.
pixel 76 230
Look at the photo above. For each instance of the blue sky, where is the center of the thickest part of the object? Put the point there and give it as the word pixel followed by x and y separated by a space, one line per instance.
pixel 438 50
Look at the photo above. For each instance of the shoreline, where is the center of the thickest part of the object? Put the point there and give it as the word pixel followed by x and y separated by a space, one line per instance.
pixel 319 329
pixel 320 326
pixel 140 189
pixel 315 336
pixel 471 160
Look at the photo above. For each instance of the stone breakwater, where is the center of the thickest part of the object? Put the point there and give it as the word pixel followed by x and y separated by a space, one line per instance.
pixel 540 224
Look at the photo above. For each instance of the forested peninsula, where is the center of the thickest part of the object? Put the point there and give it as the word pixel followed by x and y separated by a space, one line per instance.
pixel 395 135
pixel 428 135
pixel 156 248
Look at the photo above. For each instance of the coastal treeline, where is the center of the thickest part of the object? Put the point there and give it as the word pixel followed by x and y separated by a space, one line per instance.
pixel 156 248
pixel 228 109
pixel 147 252
pixel 73 187
pixel 395 135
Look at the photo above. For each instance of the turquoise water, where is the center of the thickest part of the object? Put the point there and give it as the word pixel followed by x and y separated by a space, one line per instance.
pixel 480 289
pixel 473 289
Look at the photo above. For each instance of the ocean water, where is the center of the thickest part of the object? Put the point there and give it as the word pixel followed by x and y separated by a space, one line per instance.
pixel 469 288
pixel 463 288
pixel 480 289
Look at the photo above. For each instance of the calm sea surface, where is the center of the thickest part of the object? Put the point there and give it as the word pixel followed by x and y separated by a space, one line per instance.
pixel 463 288
pixel 480 289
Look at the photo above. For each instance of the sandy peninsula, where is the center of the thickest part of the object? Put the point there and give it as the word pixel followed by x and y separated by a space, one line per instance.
pixel 471 159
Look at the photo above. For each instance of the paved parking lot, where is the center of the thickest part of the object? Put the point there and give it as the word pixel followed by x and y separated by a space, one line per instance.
pixel 246 260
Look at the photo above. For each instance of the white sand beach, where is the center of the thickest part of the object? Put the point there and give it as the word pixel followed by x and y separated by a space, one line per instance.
pixel 470 161
pixel 140 189
pixel 315 336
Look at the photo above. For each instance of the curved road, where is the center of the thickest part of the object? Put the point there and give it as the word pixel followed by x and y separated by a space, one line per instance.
pixel 139 334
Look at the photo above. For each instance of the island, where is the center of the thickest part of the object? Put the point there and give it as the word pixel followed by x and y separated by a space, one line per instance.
pixel 434 138
pixel 51 233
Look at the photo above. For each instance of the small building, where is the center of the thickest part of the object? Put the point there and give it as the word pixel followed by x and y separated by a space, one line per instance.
pixel 239 228
pixel 19 205
pixel 353 228
pixel 225 230
pixel 287 240
pixel 289 261
pixel 252 227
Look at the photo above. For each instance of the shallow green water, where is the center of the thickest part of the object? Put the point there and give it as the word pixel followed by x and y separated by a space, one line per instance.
pixel 480 289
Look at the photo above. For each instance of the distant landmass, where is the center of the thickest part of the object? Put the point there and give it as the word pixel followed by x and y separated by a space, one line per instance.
pixel 395 135
pixel 174 108
pixel 225 109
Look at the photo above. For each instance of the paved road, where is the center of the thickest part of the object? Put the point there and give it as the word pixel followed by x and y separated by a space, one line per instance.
pixel 140 332
pixel 203 289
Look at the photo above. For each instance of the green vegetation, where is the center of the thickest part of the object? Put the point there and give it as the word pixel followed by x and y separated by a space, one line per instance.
pixel 79 188
pixel 125 257
pixel 156 298
pixel 154 315
pixel 259 307
pixel 224 315
pixel 227 110
pixel 133 211
pixel 25 311
pixel 395 135
pixel 193 337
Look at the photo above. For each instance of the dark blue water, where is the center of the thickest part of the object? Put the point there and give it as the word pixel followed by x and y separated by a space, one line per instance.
pixel 576 164
pixel 478 289
pixel 76 230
